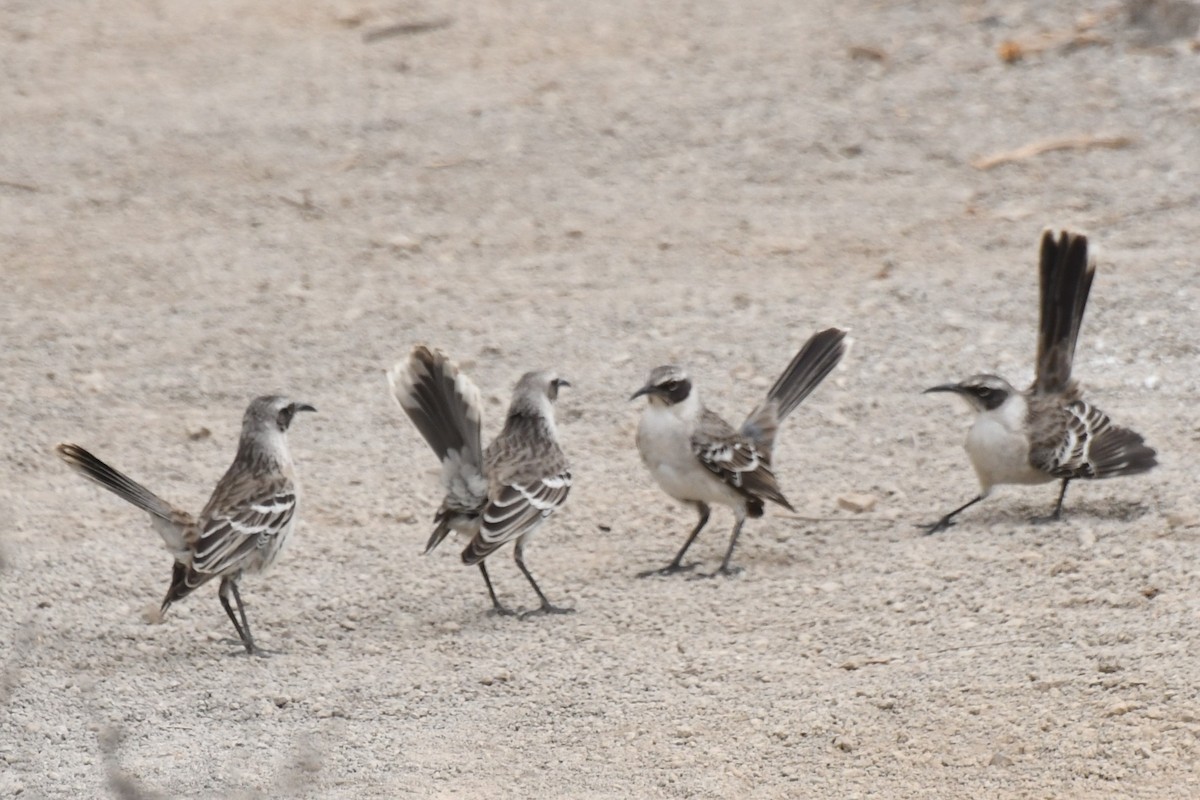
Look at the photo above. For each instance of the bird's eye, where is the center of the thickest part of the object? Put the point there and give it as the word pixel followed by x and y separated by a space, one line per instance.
pixel 984 391
pixel 671 386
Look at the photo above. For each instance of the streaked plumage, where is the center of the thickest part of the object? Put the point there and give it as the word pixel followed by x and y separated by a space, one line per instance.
pixel 496 496
pixel 245 523
pixel 1047 432
pixel 699 459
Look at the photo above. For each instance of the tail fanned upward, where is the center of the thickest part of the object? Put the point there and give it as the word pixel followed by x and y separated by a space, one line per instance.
pixel 441 402
pixel 816 359
pixel 1066 278
pixel 446 408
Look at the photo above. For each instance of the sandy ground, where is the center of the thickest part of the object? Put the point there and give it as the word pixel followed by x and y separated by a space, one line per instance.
pixel 204 202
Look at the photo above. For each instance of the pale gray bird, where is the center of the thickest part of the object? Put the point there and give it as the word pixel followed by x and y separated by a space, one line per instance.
pixel 699 459
pixel 495 496
pixel 1048 432
pixel 244 524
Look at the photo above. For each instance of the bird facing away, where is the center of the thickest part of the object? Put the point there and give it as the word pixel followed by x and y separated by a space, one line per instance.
pixel 495 496
pixel 244 524
pixel 700 459
pixel 1047 432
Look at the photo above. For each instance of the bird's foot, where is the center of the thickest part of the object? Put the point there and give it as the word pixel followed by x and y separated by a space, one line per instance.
pixel 547 608
pixel 501 611
pixel 723 571
pixel 1046 519
pixel 670 569
pixel 945 523
pixel 249 650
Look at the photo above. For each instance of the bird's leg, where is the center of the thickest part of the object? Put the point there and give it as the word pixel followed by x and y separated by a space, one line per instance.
pixel 228 587
pixel 547 607
pixel 948 520
pixel 677 564
pixel 725 569
pixel 497 608
pixel 1054 515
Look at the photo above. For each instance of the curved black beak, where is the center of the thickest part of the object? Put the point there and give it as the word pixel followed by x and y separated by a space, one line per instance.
pixel 944 387
pixel 641 391
pixel 561 382
pixel 302 407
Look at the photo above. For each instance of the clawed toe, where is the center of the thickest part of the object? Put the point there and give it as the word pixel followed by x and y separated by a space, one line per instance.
pixel 669 569
pixel 935 527
pixel 547 609
pixel 256 652
pixel 243 650
pixel 720 572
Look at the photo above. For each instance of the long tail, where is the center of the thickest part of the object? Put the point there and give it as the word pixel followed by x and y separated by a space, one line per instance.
pixel 445 406
pixel 116 482
pixel 1066 278
pixel 816 359
pixel 441 402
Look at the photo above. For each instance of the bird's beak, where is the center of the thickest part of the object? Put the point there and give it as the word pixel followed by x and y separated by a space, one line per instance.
pixel 563 382
pixel 944 387
pixel 644 390
pixel 302 407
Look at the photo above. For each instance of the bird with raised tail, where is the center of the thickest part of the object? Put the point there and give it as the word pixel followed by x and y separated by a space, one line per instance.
pixel 245 523
pixel 1047 432
pixel 494 496
pixel 699 459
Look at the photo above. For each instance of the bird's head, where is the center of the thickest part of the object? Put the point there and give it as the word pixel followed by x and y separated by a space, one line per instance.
pixel 668 385
pixel 983 392
pixel 272 413
pixel 534 386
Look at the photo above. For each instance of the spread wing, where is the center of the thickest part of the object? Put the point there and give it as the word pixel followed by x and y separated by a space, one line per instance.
pixel 245 518
pixel 736 460
pixel 1079 441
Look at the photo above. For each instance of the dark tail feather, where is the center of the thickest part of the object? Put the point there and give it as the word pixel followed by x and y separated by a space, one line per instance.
pixel 183 582
pixel 1066 279
pixel 816 359
pixel 443 404
pixel 439 533
pixel 819 355
pixel 1120 451
pixel 116 482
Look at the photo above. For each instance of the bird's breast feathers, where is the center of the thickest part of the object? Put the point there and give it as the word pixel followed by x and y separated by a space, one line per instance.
pixel 998 445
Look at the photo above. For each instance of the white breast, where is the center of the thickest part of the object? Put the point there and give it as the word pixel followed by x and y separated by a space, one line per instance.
pixel 664 441
pixel 999 447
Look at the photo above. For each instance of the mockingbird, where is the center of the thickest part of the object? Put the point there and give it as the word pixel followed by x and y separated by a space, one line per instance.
pixel 1048 432
pixel 498 495
pixel 699 459
pixel 244 524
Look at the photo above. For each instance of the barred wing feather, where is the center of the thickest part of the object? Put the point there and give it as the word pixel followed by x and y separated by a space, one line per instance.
pixel 1092 447
pixel 736 461
pixel 516 509
pixel 230 536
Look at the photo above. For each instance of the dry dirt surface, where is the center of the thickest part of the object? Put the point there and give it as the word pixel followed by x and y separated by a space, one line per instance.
pixel 202 202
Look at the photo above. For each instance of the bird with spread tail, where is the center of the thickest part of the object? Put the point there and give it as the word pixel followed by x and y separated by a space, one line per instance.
pixel 494 496
pixel 1047 432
